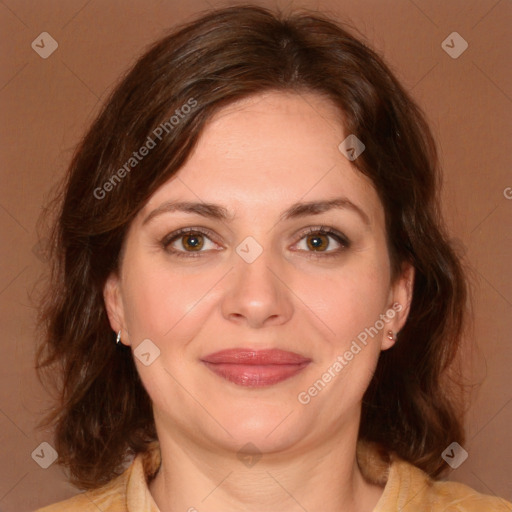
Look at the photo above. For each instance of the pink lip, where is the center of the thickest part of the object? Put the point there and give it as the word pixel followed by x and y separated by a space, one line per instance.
pixel 255 368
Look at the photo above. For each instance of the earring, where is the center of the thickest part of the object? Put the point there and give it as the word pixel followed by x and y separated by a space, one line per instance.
pixel 391 335
pixel 118 340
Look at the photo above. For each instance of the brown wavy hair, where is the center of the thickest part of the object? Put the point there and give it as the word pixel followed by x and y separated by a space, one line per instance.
pixel 103 413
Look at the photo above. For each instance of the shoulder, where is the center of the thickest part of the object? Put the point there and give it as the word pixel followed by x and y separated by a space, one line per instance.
pixel 454 496
pixel 412 489
pixel 111 497
pixel 128 490
pixel 409 489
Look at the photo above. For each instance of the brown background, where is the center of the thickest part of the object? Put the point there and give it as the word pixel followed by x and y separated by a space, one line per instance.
pixel 47 103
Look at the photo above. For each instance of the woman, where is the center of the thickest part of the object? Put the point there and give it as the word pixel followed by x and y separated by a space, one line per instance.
pixel 254 219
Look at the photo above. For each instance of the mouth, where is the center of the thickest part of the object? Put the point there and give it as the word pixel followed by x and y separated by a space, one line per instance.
pixel 255 368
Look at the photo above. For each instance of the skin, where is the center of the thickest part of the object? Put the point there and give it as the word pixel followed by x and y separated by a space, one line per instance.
pixel 256 158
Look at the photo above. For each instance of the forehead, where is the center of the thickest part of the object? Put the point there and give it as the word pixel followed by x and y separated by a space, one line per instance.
pixel 267 151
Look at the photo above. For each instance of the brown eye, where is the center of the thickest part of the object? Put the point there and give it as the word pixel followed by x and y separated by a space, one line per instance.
pixel 318 242
pixel 188 242
pixel 192 241
pixel 323 242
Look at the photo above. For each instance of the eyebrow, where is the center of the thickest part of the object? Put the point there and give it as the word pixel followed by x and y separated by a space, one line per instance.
pixel 296 210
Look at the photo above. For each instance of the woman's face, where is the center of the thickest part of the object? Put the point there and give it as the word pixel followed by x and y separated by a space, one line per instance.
pixel 261 279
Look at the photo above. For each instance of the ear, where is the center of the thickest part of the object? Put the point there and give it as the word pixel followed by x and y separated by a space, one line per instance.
pixel 400 299
pixel 114 306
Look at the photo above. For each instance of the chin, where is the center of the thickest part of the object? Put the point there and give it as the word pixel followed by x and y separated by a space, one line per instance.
pixel 259 441
pixel 268 427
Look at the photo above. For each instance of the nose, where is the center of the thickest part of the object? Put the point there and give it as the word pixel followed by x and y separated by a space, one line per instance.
pixel 257 294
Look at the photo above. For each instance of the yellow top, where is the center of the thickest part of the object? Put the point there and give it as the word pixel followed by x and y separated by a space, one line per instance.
pixel 407 489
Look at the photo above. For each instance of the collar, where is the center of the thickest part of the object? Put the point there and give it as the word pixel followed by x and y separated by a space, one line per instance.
pixel 406 487
pixel 376 466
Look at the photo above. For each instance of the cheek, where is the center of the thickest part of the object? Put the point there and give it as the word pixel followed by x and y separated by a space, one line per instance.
pixel 347 357
pixel 350 299
pixel 164 304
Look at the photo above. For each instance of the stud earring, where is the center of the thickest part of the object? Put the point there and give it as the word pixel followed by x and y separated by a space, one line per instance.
pixel 118 339
pixel 391 335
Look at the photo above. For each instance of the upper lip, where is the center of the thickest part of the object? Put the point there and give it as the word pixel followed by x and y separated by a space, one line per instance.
pixel 255 357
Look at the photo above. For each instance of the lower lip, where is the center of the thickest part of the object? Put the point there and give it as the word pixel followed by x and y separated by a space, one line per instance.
pixel 256 376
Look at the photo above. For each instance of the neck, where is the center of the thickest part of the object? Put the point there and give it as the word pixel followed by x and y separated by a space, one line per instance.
pixel 321 477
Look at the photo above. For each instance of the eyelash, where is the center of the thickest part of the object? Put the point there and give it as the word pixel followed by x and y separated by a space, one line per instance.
pixel 322 230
